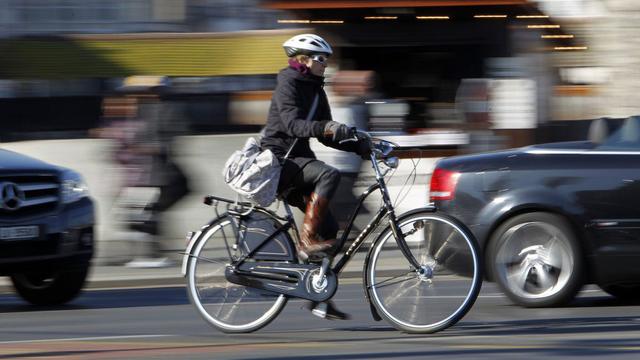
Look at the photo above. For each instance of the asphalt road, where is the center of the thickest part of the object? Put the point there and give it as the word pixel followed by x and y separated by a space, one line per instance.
pixel 159 323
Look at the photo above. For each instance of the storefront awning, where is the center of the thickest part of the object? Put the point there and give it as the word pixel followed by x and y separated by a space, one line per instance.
pixel 169 54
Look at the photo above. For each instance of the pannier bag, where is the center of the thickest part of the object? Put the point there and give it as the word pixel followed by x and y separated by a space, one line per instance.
pixel 253 173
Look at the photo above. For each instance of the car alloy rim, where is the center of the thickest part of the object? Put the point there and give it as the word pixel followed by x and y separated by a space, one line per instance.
pixel 534 260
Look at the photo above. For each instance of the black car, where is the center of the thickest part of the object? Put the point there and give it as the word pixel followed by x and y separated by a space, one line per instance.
pixel 46 229
pixel 552 217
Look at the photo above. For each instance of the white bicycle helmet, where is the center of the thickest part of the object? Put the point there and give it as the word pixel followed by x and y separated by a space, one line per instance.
pixel 306 44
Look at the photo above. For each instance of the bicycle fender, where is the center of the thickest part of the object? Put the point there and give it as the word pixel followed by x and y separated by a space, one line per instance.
pixel 191 242
pixel 187 252
pixel 428 208
pixel 365 284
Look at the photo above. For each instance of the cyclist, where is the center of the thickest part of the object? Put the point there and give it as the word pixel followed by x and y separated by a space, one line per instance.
pixel 305 182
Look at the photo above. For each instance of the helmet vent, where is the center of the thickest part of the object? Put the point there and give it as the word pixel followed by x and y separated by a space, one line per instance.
pixel 307 44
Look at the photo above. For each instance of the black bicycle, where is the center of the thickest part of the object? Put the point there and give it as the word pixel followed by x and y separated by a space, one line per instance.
pixel 422 272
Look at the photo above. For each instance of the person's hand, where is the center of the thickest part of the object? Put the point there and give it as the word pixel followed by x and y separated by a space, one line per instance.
pixel 337 132
pixel 364 148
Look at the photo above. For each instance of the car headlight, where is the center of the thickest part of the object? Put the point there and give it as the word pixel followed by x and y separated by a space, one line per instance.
pixel 74 187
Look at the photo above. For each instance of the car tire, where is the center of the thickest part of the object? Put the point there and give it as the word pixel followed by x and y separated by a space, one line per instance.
pixel 623 292
pixel 536 261
pixel 50 287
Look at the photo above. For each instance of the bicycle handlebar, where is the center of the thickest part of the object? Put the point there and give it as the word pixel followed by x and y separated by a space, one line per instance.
pixel 382 147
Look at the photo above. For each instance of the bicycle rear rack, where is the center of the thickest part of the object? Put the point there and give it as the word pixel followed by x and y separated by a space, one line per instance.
pixel 241 208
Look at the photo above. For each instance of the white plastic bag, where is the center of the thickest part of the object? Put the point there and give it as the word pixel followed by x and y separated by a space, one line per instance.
pixel 253 173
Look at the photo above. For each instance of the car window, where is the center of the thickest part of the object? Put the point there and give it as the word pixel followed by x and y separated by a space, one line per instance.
pixel 627 137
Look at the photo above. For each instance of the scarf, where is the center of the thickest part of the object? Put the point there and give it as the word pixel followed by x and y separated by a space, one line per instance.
pixel 301 68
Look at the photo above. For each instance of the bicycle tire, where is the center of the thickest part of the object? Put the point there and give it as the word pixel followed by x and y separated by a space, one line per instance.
pixel 437 299
pixel 229 307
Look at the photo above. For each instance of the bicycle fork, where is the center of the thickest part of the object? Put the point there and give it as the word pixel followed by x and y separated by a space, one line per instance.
pixel 393 222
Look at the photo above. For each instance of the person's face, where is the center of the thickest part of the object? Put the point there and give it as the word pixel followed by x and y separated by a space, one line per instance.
pixel 317 64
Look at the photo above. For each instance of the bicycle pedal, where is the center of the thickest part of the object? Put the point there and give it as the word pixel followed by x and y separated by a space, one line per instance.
pixel 320 310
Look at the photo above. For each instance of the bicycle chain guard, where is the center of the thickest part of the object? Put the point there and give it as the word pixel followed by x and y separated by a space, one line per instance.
pixel 295 280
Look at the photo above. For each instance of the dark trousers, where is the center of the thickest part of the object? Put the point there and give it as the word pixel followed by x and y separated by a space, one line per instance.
pixel 173 187
pixel 299 178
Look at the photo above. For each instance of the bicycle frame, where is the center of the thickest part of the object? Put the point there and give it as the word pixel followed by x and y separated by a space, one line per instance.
pixel 386 210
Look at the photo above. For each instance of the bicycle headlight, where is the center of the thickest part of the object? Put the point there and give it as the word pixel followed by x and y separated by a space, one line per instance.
pixel 392 162
pixel 385 147
pixel 74 187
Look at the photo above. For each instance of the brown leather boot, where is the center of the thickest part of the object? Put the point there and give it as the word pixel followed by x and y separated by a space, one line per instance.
pixel 309 243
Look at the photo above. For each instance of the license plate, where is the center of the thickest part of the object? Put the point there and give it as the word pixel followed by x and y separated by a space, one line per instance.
pixel 19 232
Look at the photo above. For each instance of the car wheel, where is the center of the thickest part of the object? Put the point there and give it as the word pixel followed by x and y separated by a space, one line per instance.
pixel 50 287
pixel 536 261
pixel 623 291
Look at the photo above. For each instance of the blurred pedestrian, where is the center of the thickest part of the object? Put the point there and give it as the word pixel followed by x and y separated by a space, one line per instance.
pixel 351 89
pixel 473 106
pixel 144 152
pixel 121 125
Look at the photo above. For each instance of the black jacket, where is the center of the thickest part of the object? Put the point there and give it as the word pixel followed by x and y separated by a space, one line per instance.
pixel 290 105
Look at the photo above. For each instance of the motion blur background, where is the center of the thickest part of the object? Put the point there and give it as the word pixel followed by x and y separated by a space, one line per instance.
pixel 450 76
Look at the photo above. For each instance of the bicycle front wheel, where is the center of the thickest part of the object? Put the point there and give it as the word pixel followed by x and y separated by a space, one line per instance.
pixel 229 307
pixel 442 291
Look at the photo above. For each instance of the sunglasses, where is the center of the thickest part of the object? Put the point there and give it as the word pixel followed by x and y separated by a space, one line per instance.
pixel 320 59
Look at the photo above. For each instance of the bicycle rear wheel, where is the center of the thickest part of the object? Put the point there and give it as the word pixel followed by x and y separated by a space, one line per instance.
pixel 445 288
pixel 226 306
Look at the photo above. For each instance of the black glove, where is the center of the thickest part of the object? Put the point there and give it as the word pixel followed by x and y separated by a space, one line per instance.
pixel 337 132
pixel 364 148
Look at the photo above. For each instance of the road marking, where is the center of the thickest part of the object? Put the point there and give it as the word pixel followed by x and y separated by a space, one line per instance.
pixel 91 338
pixel 177 285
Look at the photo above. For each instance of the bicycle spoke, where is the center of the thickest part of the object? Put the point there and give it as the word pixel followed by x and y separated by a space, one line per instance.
pixel 390 279
pixel 422 251
pixel 233 305
pixel 390 300
pixel 443 247
pixel 429 237
pixel 221 306
pixel 226 243
pixel 415 306
pixel 213 261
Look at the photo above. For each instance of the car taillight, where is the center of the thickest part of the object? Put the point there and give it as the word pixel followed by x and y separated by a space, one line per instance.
pixel 443 184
